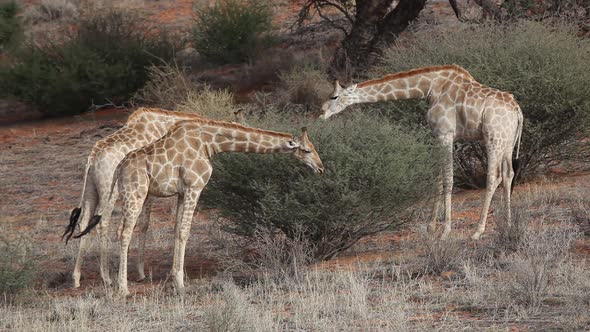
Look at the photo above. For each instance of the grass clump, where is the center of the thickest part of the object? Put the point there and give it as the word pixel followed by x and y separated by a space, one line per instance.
pixel 51 10
pixel 233 31
pixel 17 265
pixel 544 66
pixel 372 176
pixel 105 60
pixel 305 85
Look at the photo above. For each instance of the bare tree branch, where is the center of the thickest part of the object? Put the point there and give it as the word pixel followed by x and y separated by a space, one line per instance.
pixel 317 5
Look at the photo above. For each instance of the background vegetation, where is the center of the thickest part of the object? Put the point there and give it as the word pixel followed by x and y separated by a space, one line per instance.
pixel 233 31
pixel 10 25
pixel 104 60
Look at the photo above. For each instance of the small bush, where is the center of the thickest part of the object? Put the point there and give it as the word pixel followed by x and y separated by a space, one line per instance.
pixel 50 10
pixel 104 61
pixel 533 61
pixel 10 25
pixel 441 255
pixel 270 256
pixel 306 85
pixel 535 265
pixel 234 312
pixel 210 103
pixel 233 31
pixel 509 236
pixel 374 171
pixel 168 86
pixel 17 264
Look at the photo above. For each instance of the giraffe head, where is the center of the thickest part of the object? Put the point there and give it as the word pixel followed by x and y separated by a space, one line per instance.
pixel 339 100
pixel 304 150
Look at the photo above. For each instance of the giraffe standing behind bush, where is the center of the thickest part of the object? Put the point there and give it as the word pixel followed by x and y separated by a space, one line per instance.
pixel 460 109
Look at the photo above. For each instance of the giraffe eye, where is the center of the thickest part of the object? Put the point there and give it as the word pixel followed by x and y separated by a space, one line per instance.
pixel 333 97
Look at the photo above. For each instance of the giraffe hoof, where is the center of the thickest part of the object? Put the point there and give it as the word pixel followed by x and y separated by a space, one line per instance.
pixel 475 236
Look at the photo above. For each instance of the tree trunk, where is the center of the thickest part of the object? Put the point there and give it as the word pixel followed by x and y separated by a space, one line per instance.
pixel 373 30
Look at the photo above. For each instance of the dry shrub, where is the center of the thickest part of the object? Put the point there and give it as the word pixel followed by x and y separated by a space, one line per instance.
pixel 210 103
pixel 441 255
pixel 510 235
pixel 167 87
pixel 170 87
pixel 51 10
pixel 270 256
pixel 233 312
pixel 537 259
pixel 305 85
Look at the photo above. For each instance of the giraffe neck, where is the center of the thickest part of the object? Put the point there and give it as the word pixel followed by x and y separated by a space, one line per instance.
pixel 414 84
pixel 247 140
pixel 156 122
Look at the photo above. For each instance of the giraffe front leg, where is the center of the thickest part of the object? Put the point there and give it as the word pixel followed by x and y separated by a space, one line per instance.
pixel 129 221
pixel 103 234
pixel 103 228
pixel 436 207
pixel 493 180
pixel 448 182
pixel 133 199
pixel 183 226
pixel 144 225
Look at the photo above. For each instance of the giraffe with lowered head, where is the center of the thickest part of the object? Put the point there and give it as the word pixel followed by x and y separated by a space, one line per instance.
pixel 460 109
pixel 178 164
pixel 143 127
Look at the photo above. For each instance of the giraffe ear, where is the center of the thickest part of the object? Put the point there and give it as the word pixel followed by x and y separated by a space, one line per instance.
pixel 337 87
pixel 304 136
pixel 294 143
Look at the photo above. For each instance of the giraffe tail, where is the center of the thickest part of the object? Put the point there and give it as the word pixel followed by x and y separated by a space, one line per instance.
pixel 516 160
pixel 76 212
pixel 96 218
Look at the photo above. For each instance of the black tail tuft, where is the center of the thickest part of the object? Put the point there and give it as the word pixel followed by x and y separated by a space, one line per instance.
pixel 72 225
pixel 93 222
pixel 515 168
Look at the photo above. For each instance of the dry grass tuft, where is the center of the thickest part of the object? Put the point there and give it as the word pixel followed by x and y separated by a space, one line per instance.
pixel 52 10
pixel 210 103
pixel 440 255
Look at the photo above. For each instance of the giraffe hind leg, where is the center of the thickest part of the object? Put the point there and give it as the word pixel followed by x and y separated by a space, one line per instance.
pixel 493 181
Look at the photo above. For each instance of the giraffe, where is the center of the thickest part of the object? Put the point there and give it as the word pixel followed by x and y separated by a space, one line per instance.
pixel 143 126
pixel 460 109
pixel 178 164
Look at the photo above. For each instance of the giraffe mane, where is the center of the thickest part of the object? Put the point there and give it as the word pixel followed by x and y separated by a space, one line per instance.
pixel 142 110
pixel 229 125
pixel 418 71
